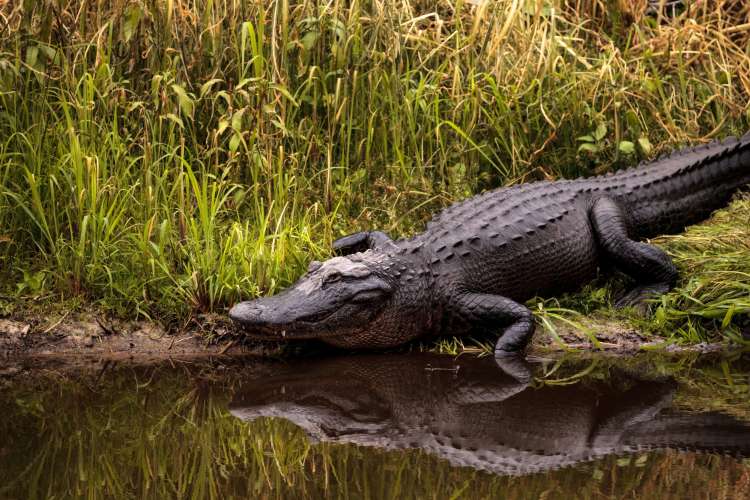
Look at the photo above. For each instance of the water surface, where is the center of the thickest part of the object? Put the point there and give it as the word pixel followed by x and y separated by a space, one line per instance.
pixel 379 426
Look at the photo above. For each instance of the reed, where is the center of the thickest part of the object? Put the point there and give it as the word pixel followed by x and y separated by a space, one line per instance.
pixel 163 159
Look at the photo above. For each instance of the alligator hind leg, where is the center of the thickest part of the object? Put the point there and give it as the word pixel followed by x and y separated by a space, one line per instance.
pixel 651 268
pixel 359 242
pixel 491 311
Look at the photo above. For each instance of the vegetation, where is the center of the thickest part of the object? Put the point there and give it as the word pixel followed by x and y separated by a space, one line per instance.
pixel 167 158
pixel 164 432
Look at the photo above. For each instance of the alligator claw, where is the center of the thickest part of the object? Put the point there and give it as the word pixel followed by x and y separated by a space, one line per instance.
pixel 351 243
pixel 361 241
pixel 638 298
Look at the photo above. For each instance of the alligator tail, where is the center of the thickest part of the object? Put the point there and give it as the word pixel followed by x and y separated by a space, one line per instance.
pixel 665 195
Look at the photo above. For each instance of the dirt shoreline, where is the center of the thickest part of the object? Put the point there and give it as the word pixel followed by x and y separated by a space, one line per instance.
pixel 91 336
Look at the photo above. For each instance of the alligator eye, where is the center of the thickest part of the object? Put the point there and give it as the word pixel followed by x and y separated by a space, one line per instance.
pixel 332 278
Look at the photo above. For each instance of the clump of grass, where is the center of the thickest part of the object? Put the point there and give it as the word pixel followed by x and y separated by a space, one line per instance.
pixel 715 287
pixel 165 159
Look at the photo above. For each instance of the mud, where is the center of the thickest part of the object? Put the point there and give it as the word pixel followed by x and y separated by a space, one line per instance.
pixel 87 335
pixel 92 335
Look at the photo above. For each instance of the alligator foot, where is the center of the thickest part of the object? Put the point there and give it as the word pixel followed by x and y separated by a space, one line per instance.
pixel 359 242
pixel 489 311
pixel 514 339
pixel 639 297
pixel 649 266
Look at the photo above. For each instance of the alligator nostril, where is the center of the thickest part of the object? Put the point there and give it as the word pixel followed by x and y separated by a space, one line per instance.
pixel 234 313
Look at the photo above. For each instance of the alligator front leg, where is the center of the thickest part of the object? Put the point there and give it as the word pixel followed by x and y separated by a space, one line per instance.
pixel 493 311
pixel 651 268
pixel 359 242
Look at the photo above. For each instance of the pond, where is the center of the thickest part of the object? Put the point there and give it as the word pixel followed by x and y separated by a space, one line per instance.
pixel 378 426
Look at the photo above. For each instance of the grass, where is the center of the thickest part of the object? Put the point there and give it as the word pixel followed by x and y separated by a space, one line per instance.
pixel 164 159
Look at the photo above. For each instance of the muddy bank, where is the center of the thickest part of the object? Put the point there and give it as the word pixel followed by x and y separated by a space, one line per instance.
pixel 95 335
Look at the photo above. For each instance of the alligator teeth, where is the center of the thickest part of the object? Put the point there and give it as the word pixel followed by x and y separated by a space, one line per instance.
pixel 283 333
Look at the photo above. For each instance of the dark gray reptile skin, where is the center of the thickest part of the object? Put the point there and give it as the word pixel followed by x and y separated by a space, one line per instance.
pixel 479 260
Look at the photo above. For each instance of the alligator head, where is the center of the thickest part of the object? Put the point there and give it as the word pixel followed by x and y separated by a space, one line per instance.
pixel 345 301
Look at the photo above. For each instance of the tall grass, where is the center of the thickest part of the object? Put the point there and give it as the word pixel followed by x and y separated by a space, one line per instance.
pixel 168 158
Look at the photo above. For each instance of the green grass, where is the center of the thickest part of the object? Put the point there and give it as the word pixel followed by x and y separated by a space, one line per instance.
pixel 163 159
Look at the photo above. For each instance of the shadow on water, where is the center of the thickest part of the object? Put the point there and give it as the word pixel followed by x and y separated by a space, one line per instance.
pixel 378 426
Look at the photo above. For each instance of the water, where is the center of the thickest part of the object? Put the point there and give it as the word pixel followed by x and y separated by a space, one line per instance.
pixel 378 426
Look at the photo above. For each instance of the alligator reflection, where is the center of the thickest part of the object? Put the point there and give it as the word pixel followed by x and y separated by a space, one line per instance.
pixel 470 412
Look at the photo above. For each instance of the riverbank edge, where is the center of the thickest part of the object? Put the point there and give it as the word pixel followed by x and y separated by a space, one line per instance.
pixel 93 334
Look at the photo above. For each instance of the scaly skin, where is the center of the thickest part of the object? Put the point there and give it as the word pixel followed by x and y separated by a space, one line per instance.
pixel 478 260
pixel 471 413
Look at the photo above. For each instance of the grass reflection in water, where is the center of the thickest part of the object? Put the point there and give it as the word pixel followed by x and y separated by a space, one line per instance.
pixel 165 431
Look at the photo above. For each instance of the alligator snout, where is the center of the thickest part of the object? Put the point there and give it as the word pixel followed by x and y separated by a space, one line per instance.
pixel 275 316
pixel 249 313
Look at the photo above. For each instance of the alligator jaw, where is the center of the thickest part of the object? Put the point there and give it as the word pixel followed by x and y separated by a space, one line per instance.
pixel 268 334
pixel 263 321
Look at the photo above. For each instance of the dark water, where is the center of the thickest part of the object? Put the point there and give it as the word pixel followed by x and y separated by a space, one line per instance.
pixel 378 426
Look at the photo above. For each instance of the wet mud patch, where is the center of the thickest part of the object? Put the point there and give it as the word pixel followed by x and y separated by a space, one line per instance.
pixel 94 334
pixel 91 335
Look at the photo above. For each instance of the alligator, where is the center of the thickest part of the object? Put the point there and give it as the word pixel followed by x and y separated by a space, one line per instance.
pixel 480 259
pixel 469 412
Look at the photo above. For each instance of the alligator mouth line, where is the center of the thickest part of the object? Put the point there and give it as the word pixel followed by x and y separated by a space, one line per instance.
pixel 269 332
pixel 285 335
